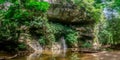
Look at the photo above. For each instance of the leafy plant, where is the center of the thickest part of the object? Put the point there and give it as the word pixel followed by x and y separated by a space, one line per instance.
pixel 72 38
pixel 17 19
pixel 22 46
pixel 109 34
pixel 86 45
pixel 74 56
pixel 38 6
pixel 42 41
pixel 2 1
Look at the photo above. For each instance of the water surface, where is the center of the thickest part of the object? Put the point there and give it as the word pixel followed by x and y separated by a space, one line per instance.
pixel 60 55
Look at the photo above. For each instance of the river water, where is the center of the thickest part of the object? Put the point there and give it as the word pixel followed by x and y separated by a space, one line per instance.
pixel 69 55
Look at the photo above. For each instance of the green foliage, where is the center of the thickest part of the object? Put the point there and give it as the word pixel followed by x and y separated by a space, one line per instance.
pixel 8 30
pixel 22 46
pixel 2 1
pixel 114 4
pixel 74 56
pixel 42 41
pixel 72 37
pixel 53 32
pixel 109 34
pixel 38 6
pixel 98 1
pixel 106 37
pixel 38 22
pixel 17 16
pixel 114 29
pixel 57 28
pixel 30 13
pixel 92 8
pixel 86 45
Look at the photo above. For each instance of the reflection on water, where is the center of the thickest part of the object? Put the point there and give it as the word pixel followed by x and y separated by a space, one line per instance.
pixel 34 56
pixel 74 56
pixel 59 55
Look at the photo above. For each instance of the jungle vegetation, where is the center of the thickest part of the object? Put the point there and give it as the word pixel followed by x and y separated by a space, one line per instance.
pixel 31 17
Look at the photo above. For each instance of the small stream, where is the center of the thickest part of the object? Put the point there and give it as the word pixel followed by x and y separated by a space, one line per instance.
pixel 60 55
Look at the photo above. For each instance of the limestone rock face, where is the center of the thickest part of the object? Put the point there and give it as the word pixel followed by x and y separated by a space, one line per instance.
pixel 67 12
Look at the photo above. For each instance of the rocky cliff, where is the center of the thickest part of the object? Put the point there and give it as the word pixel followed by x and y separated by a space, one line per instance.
pixel 77 17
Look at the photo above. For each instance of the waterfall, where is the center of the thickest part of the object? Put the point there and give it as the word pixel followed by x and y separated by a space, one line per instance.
pixel 63 44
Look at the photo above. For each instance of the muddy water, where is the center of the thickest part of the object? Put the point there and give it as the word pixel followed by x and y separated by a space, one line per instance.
pixel 60 55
